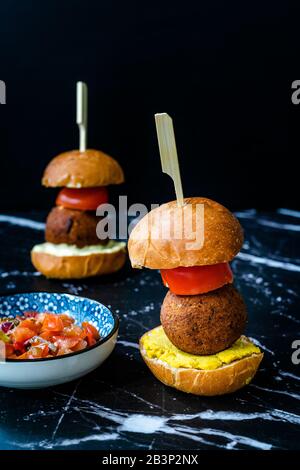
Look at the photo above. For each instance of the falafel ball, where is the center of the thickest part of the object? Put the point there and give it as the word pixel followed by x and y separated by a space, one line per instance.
pixel 71 226
pixel 206 323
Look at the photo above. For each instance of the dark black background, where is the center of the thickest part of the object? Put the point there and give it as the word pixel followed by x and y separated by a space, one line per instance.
pixel 220 69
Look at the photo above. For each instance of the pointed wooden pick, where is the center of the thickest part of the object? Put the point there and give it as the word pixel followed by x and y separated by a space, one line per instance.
pixel 168 152
pixel 81 114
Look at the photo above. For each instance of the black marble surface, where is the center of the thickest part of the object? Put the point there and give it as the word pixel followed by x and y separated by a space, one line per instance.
pixel 121 405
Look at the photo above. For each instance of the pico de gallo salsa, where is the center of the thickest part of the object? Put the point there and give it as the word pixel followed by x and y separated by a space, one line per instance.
pixel 44 335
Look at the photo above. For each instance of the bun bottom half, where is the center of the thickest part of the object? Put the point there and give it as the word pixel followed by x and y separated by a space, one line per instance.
pixel 78 267
pixel 226 379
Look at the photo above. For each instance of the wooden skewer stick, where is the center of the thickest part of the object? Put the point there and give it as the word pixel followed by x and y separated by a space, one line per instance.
pixel 81 114
pixel 168 152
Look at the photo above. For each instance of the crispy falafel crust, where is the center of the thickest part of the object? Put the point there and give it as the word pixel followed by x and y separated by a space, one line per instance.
pixel 225 379
pixel 72 226
pixel 223 236
pixel 206 323
pixel 75 169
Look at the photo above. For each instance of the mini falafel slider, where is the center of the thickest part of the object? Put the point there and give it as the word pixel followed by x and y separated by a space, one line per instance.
pixel 72 249
pixel 199 347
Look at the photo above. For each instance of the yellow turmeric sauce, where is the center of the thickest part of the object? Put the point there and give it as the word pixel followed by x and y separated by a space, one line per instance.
pixel 158 346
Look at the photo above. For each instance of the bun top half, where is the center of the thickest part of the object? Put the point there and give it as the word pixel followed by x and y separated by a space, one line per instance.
pixel 75 169
pixel 171 236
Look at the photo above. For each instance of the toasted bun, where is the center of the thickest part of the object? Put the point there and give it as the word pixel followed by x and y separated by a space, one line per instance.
pixel 223 236
pixel 87 169
pixel 226 379
pixel 78 267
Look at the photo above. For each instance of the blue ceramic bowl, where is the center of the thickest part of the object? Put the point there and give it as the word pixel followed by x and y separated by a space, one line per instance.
pixel 45 372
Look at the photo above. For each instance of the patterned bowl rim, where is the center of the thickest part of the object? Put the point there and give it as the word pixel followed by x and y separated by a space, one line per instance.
pixel 75 353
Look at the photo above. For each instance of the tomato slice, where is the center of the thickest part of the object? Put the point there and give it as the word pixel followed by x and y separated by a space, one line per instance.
pixel 196 279
pixel 85 199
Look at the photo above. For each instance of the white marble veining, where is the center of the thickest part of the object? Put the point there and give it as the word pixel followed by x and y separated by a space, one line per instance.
pixel 245 213
pixel 289 375
pixel 296 396
pixel 128 344
pixel 65 409
pixel 272 263
pixel 147 421
pixel 22 222
pixel 289 212
pixel 278 225
pixel 153 424
pixel 74 289
pixel 235 439
pixel 16 273
pixel 262 346
pixel 124 424
pixel 266 222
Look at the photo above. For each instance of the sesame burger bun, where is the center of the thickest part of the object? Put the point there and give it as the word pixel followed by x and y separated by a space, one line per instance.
pixel 226 379
pixel 88 169
pixel 223 236
pixel 65 265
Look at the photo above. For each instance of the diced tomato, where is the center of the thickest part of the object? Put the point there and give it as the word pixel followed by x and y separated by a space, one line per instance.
pixel 44 348
pixel 40 317
pixel 85 199
pixel 91 329
pixel 31 324
pixel 36 341
pixel 81 345
pixel 9 349
pixel 47 335
pixel 21 334
pixel 91 332
pixel 73 331
pixel 36 352
pixel 64 342
pixel 62 351
pixel 90 339
pixel 39 351
pixel 66 319
pixel 196 279
pixel 23 356
pixel 19 346
pixel 52 322
pixel 30 314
